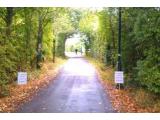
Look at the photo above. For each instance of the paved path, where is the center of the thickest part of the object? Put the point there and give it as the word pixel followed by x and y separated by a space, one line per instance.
pixel 76 89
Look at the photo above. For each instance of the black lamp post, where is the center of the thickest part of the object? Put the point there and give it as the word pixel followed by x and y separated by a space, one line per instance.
pixel 119 41
pixel 119 73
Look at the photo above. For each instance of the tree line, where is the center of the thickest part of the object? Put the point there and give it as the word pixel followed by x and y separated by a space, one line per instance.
pixel 29 36
pixel 140 43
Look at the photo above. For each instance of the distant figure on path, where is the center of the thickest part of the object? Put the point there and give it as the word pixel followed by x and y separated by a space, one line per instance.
pixel 76 51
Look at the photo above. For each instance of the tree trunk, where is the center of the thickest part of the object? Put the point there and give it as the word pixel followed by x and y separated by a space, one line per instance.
pixel 9 17
pixel 54 48
pixel 27 36
pixel 39 42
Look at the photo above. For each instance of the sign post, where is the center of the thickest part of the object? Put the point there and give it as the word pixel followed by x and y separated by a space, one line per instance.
pixel 22 78
pixel 119 78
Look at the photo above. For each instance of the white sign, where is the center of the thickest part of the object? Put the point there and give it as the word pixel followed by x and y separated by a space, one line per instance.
pixel 22 78
pixel 118 76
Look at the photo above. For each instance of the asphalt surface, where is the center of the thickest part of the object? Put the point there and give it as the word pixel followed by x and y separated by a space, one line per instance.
pixel 75 90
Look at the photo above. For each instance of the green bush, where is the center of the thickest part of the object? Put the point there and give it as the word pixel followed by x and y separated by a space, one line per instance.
pixel 4 91
pixel 148 73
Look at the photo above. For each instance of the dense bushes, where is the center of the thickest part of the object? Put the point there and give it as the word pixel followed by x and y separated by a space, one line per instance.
pixel 28 36
pixel 140 43
pixel 18 42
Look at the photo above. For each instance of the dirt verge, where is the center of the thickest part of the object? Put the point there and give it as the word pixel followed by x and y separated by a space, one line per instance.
pixel 20 94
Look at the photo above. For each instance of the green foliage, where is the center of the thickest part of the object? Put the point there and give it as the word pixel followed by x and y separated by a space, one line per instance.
pixel 63 28
pixel 28 36
pixel 61 44
pixel 18 41
pixel 140 42
pixel 144 37
pixel 99 28
pixel 149 77
pixel 88 26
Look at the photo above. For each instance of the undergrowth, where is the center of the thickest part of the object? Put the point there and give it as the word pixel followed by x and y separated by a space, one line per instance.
pixel 145 100
pixel 32 74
